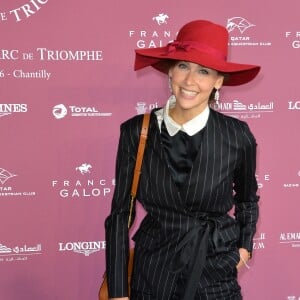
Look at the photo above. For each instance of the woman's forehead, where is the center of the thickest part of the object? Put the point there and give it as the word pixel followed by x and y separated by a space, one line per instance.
pixel 194 64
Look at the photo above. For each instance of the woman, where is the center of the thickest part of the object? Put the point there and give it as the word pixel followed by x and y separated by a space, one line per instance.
pixel 198 165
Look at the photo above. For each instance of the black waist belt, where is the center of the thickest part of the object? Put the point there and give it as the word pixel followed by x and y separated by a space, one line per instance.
pixel 191 252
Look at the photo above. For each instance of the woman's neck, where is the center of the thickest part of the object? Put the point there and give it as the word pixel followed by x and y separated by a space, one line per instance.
pixel 181 116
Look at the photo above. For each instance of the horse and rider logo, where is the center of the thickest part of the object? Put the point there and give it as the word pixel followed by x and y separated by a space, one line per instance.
pixel 161 19
pixel 84 168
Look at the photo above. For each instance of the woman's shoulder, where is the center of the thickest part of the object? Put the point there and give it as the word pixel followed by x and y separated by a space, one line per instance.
pixel 240 129
pixel 228 120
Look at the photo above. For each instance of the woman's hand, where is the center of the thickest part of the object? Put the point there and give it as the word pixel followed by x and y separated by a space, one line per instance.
pixel 244 257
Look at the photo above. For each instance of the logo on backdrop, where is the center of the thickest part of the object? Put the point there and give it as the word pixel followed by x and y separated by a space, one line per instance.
pixel 84 168
pixel 18 253
pixel 293 37
pixel 155 34
pixel 85 248
pixel 142 107
pixel 9 191
pixel 293 297
pixel 237 28
pixel 291 239
pixel 84 187
pixel 161 18
pixel 262 180
pixel 259 241
pixel 5 175
pixel 238 109
pixel 238 23
pixel 23 12
pixel 295 183
pixel 9 109
pixel 294 105
pixel 60 111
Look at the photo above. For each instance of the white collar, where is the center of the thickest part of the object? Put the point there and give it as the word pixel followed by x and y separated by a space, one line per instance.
pixel 191 127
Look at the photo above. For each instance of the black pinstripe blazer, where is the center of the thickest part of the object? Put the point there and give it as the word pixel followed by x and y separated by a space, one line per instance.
pixel 222 175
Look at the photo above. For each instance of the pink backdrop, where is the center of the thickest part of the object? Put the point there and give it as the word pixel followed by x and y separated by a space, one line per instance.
pixel 67 82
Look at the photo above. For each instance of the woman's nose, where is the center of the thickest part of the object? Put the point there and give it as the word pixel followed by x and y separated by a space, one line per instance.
pixel 189 78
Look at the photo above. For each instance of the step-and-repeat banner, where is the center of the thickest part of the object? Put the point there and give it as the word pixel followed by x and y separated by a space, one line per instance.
pixel 66 84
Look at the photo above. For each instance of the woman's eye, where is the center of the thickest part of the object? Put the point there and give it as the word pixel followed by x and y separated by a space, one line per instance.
pixel 203 71
pixel 182 66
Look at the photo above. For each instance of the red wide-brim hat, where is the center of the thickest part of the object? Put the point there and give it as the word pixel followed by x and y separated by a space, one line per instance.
pixel 201 42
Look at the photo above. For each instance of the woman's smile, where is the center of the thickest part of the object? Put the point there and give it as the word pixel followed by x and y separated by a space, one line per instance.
pixel 188 93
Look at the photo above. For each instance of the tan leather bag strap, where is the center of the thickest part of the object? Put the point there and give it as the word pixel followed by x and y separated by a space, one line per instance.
pixel 138 164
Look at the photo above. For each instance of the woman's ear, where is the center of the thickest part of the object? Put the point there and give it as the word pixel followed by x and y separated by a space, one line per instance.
pixel 219 82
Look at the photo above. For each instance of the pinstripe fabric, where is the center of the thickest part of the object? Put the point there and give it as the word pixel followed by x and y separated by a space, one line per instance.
pixel 226 161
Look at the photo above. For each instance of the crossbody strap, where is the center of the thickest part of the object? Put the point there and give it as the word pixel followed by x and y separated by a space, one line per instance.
pixel 138 164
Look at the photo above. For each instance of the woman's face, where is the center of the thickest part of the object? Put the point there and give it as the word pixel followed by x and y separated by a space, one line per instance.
pixel 192 85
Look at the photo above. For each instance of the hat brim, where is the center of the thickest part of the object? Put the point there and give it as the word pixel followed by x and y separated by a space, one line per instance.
pixel 160 59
